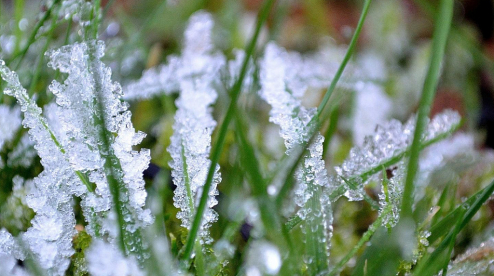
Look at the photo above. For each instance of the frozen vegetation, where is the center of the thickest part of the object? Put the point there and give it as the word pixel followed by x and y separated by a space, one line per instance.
pixel 87 210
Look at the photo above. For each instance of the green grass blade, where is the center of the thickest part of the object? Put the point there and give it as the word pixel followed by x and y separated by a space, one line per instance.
pixel 290 163
pixel 443 23
pixel 346 59
pixel 22 53
pixel 461 221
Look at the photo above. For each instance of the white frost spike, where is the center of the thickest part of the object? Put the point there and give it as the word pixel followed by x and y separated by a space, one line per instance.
pixel 87 86
pixel 281 91
pixel 194 124
pixel 198 58
pixel 50 237
pixel 288 112
pixel 103 259
pixel 388 140
pixel 10 122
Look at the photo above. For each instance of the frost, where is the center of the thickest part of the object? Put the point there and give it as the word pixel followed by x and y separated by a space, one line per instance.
pixel 281 91
pixel 52 192
pixel 388 140
pixel 88 88
pixel 73 150
pixel 10 122
pixel 103 259
pixel 194 124
pixel 198 58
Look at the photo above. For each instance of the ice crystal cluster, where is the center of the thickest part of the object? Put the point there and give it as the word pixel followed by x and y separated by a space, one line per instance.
pixel 389 140
pixel 73 158
pixel 281 90
pixel 191 141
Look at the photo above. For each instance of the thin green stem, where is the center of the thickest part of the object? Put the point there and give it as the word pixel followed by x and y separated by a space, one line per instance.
pixel 218 146
pixel 365 238
pixel 440 37
pixel 18 14
pixel 291 162
pixel 346 59
pixel 37 72
pixel 22 53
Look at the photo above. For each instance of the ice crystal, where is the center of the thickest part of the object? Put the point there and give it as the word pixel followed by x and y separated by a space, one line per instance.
pixel 281 90
pixel 73 149
pixel 103 259
pixel 293 119
pixel 198 58
pixel 388 140
pixel 88 88
pixel 10 122
pixel 50 237
pixel 194 124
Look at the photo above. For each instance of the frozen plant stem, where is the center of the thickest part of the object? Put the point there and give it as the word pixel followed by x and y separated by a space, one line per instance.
pixel 443 23
pixel 127 239
pixel 290 163
pixel 21 96
pixel 218 146
pixel 385 164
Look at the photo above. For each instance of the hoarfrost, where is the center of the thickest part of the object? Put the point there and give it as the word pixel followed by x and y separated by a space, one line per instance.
pixel 388 140
pixel 72 151
pixel 281 89
pixel 87 98
pixel 52 193
pixel 194 124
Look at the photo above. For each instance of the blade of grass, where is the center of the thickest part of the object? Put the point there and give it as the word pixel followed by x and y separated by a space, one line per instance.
pixel 218 145
pixel 297 152
pixel 346 59
pixel 269 215
pixel 22 53
pixel 440 36
pixel 461 221
pixel 365 238
pixel 128 241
